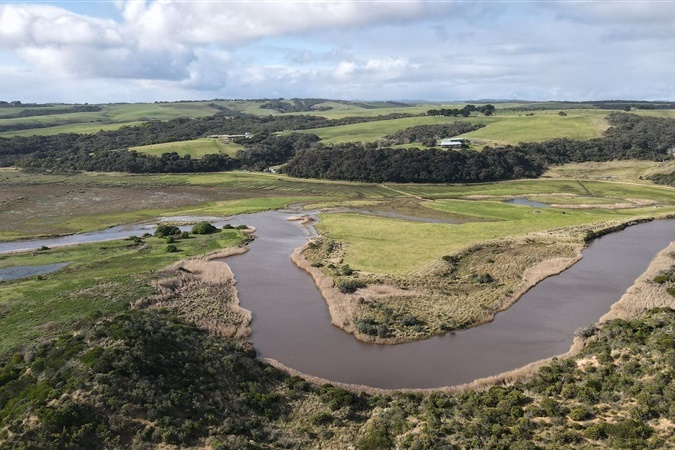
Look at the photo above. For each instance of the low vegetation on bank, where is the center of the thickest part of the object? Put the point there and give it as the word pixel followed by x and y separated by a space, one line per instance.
pixel 111 383
pixel 101 278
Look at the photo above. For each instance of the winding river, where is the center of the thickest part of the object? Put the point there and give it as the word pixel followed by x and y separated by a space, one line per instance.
pixel 291 323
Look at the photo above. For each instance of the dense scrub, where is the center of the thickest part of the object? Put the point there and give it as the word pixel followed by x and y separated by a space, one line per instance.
pixel 145 379
pixel 667 179
pixel 363 162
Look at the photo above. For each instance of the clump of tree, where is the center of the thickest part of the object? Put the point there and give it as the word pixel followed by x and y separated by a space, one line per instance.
pixel 166 230
pixel 465 111
pixel 363 162
pixel 273 150
pixel 203 227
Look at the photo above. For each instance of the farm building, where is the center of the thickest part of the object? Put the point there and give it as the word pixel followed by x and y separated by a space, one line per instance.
pixel 454 143
pixel 227 137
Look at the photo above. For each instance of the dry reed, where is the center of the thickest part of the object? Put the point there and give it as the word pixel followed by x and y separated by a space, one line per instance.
pixel 645 294
pixel 203 292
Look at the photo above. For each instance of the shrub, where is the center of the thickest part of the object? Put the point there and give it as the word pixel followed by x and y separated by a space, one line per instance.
pixel 580 414
pixel 164 230
pixel 241 227
pixel 170 240
pixel 376 437
pixel 350 286
pixel 184 235
pixel 366 326
pixel 586 332
pixel 171 248
pixel 321 419
pixel 203 227
pixel 483 278
pixel 227 226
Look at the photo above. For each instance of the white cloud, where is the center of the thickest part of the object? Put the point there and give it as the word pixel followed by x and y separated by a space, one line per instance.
pixel 163 49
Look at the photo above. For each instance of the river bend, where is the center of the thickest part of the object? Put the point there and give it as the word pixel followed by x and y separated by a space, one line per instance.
pixel 291 323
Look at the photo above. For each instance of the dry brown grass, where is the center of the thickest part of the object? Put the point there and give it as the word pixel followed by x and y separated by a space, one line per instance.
pixel 645 294
pixel 203 292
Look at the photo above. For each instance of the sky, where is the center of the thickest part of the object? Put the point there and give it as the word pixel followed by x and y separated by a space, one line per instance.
pixel 168 50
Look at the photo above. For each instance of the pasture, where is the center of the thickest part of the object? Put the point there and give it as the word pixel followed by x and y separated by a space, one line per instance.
pixel 195 148
pixel 500 129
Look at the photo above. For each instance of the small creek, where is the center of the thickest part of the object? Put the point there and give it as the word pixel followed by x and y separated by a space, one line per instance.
pixel 291 322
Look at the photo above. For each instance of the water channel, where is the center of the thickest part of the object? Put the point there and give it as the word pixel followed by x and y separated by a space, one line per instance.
pixel 291 322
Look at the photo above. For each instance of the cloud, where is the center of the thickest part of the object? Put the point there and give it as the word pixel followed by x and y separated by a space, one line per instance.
pixel 162 49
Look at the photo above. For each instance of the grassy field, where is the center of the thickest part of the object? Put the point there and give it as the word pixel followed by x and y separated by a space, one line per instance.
pixel 542 186
pixel 376 244
pixel 195 148
pixel 499 129
pixel 633 171
pixel 101 278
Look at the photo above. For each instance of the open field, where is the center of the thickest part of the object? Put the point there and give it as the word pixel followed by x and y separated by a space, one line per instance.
pixel 102 278
pixel 524 188
pixel 195 148
pixel 634 171
pixel 499 129
pixel 376 244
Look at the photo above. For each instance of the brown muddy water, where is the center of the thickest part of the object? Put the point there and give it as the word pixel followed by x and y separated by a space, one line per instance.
pixel 291 322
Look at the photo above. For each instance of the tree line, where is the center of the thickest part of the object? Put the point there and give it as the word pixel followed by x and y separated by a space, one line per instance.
pixel 465 111
pixel 630 136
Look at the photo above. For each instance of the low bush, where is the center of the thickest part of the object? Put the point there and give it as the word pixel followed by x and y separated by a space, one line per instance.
pixel 350 286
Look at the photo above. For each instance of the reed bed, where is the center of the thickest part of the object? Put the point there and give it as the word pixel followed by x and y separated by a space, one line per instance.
pixel 202 290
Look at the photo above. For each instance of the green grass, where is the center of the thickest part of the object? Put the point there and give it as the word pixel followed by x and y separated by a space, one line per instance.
pixel 542 186
pixel 101 278
pixel 380 245
pixel 507 128
pixel 81 128
pixel 195 148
